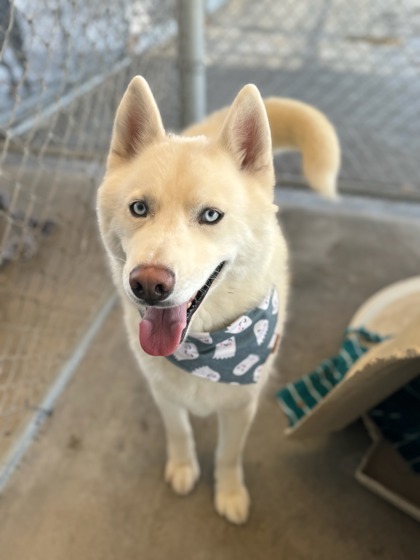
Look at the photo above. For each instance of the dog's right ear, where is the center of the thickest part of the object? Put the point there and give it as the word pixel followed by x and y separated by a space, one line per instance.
pixel 137 122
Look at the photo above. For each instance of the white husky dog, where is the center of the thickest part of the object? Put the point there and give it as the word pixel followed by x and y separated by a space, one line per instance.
pixel 197 255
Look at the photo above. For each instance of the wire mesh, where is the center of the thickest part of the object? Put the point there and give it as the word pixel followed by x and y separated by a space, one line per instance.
pixel 64 65
pixel 357 61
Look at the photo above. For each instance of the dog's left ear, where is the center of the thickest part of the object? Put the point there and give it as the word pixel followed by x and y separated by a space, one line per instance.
pixel 246 132
pixel 137 122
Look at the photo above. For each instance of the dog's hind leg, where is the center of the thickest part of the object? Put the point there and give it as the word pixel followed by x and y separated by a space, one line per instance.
pixel 231 497
pixel 182 470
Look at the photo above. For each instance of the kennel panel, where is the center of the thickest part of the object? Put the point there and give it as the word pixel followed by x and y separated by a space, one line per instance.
pixel 356 61
pixel 64 65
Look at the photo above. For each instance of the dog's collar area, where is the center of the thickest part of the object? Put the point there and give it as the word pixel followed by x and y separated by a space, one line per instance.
pixel 201 294
pixel 233 355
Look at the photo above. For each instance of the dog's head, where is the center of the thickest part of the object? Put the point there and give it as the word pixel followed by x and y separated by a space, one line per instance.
pixel 186 221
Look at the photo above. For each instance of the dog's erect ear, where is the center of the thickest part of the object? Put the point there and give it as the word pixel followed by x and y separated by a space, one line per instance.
pixel 246 132
pixel 137 122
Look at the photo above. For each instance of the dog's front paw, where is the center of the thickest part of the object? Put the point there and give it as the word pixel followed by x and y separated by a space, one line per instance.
pixel 182 476
pixel 233 504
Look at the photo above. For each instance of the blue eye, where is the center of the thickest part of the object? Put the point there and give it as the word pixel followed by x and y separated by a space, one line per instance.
pixel 210 216
pixel 139 209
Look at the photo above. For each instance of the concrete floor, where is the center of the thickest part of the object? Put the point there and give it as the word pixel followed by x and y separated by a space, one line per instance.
pixel 91 486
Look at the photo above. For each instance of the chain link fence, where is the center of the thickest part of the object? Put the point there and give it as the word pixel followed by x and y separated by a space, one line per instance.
pixel 64 65
pixel 359 62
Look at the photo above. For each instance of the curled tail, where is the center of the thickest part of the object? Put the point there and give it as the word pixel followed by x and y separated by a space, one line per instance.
pixel 296 126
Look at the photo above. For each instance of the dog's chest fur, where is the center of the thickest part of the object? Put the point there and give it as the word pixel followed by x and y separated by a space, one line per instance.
pixel 199 396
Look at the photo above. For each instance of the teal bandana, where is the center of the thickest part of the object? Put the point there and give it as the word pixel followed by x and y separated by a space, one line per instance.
pixel 236 354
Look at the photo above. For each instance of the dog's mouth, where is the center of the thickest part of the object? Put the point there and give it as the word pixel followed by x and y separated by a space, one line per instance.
pixel 162 329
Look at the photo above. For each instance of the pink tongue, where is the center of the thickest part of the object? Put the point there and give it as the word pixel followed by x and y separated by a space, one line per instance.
pixel 161 329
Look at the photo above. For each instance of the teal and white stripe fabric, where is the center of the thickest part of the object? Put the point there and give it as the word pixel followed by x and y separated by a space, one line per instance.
pixel 298 398
pixel 397 417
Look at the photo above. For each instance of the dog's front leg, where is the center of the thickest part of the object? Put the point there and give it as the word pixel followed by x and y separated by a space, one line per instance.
pixel 182 469
pixel 232 498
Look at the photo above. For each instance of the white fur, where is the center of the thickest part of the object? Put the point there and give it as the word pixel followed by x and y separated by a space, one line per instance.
pixel 224 163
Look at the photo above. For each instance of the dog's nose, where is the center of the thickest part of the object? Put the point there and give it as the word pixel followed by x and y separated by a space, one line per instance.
pixel 152 283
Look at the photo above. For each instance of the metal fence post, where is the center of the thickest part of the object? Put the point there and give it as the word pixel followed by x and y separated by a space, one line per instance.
pixel 191 52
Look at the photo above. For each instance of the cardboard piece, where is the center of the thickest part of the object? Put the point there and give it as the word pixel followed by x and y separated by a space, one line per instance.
pixel 384 369
pixel 384 472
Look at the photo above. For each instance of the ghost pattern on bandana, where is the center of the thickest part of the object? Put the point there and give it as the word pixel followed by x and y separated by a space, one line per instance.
pixel 236 354
pixel 240 324
pixel 187 351
pixel 245 365
pixel 206 373
pixel 261 330
pixel 225 349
